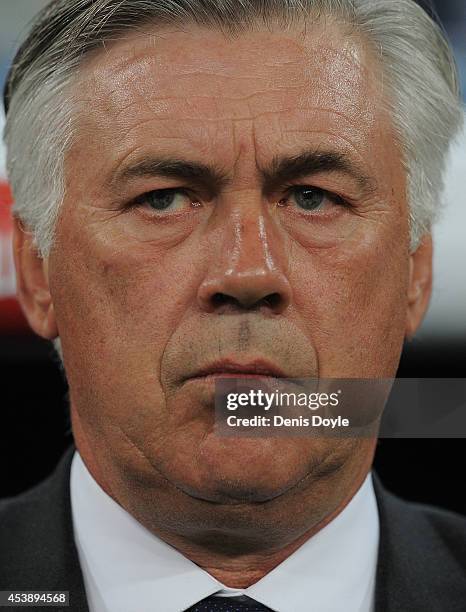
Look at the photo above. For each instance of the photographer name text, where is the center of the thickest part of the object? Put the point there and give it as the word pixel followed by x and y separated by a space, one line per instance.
pixel 280 421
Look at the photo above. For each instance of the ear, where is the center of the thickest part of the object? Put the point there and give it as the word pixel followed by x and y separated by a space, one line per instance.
pixel 33 284
pixel 420 285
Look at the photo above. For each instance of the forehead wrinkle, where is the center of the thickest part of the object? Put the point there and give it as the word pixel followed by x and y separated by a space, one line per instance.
pixel 252 107
pixel 350 123
pixel 302 99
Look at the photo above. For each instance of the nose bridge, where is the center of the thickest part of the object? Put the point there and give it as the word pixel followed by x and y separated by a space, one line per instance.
pixel 248 264
pixel 248 244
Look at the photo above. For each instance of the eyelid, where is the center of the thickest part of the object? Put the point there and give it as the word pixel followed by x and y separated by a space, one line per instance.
pixel 334 197
pixel 144 195
pixel 142 198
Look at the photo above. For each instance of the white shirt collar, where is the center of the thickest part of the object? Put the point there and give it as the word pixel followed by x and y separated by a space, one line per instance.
pixel 125 567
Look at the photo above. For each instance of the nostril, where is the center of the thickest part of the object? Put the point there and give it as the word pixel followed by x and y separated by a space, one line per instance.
pixel 273 300
pixel 220 299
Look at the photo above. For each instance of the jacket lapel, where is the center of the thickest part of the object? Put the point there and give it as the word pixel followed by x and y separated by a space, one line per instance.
pixel 38 550
pixel 416 571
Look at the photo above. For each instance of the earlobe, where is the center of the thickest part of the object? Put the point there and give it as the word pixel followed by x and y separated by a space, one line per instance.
pixel 32 281
pixel 420 285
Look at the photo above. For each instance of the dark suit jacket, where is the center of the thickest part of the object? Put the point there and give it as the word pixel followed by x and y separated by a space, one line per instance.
pixel 421 567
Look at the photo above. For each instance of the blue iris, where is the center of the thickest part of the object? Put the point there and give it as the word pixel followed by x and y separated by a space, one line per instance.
pixel 161 199
pixel 309 198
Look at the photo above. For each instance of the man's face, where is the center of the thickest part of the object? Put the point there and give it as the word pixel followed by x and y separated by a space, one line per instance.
pixel 302 273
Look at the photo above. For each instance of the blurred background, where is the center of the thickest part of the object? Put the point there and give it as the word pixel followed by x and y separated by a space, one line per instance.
pixel 33 392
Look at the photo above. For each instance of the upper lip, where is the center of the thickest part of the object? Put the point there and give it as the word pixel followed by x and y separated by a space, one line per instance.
pixel 255 366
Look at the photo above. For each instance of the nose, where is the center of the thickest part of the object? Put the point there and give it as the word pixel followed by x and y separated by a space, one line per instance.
pixel 248 268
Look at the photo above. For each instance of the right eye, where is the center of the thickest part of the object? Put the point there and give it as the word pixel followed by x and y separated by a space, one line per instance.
pixel 166 200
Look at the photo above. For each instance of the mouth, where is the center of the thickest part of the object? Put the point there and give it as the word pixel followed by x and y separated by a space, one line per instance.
pixel 231 369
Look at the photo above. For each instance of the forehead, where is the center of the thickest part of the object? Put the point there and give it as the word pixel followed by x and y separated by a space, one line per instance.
pixel 190 88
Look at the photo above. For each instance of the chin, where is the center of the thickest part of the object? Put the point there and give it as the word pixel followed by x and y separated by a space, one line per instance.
pixel 236 492
pixel 243 482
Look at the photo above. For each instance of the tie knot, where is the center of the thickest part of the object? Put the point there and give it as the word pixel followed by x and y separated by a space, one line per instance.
pixel 228 604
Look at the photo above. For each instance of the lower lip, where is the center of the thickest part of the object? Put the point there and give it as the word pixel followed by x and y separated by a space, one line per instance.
pixel 239 375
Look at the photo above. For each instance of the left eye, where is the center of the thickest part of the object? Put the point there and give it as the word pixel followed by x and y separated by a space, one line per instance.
pixel 166 200
pixel 310 199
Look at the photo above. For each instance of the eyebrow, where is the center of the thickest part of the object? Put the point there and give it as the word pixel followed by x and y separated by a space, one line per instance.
pixel 310 162
pixel 212 179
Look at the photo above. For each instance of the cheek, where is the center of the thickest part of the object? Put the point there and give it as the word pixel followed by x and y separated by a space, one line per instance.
pixel 118 301
pixel 354 297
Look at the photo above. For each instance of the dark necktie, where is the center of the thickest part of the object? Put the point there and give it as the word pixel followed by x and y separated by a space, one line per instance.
pixel 228 604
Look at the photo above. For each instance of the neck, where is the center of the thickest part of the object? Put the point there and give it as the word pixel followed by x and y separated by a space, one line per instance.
pixel 239 560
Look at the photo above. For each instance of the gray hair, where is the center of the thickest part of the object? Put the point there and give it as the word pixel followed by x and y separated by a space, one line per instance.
pixel 418 69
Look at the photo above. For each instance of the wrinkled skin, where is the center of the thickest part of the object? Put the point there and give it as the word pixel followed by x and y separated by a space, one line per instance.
pixel 142 299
